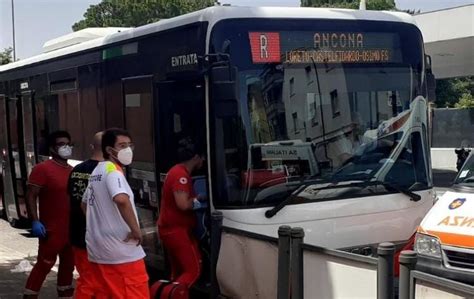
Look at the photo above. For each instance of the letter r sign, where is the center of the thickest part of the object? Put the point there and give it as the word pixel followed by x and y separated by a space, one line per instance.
pixel 265 46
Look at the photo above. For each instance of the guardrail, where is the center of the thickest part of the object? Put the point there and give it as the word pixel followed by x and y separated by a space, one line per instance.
pixel 332 273
pixel 424 285
pixel 250 265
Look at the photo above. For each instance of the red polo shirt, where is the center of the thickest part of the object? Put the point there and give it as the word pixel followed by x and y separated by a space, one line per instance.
pixel 177 179
pixel 54 206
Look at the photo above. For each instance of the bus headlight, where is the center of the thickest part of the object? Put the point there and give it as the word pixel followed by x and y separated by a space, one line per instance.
pixel 427 245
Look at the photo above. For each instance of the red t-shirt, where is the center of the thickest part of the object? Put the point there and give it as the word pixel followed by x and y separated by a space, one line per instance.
pixel 177 179
pixel 53 198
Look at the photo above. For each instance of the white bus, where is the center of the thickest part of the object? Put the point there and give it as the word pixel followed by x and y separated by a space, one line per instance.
pixel 240 78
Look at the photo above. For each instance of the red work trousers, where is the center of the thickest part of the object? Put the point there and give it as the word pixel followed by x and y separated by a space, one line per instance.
pixel 123 281
pixel 88 285
pixel 183 253
pixel 55 244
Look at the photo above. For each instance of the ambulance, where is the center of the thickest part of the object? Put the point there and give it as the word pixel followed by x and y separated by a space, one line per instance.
pixel 277 162
pixel 445 239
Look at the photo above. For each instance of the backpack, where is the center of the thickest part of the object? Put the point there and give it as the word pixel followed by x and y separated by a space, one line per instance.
pixel 164 289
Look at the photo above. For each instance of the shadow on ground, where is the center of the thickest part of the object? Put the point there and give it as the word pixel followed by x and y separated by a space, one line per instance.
pixel 12 284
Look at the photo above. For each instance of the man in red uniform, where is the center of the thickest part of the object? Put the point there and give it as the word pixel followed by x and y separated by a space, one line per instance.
pixel 177 219
pixel 48 184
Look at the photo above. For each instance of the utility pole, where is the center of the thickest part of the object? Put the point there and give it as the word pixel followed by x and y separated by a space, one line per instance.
pixel 13 29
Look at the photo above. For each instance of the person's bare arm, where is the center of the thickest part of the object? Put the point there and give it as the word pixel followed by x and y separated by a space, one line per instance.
pixel 183 200
pixel 31 206
pixel 84 208
pixel 126 211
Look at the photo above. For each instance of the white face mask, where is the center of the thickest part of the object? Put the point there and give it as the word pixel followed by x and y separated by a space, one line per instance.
pixel 65 151
pixel 125 156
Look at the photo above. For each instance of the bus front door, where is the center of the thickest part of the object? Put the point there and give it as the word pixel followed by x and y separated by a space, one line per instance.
pixel 180 107
pixel 141 174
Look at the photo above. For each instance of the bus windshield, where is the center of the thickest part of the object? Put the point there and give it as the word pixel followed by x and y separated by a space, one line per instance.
pixel 324 103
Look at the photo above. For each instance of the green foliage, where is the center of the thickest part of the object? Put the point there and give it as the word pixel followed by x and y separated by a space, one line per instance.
pixel 352 4
pixel 6 56
pixel 133 13
pixel 453 90
pixel 466 101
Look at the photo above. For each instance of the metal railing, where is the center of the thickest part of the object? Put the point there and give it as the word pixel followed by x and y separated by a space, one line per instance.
pixel 307 271
pixel 413 282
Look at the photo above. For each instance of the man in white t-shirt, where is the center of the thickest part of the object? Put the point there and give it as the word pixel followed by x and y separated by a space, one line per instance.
pixel 113 235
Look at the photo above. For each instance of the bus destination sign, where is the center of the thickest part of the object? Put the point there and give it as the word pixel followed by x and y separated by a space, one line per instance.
pixel 323 47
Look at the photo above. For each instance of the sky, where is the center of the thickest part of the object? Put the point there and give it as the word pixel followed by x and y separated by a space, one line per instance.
pixel 37 21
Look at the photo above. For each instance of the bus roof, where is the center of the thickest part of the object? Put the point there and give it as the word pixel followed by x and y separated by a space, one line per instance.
pixel 213 15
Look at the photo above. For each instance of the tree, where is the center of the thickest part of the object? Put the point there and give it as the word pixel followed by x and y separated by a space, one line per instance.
pixel 451 91
pixel 352 4
pixel 466 101
pixel 6 56
pixel 133 13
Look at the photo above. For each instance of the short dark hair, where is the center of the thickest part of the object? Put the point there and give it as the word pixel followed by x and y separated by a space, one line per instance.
pixel 51 139
pixel 188 148
pixel 110 137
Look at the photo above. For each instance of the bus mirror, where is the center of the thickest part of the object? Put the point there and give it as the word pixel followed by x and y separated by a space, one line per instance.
pixel 223 87
pixel 431 87
pixel 430 80
pixel 428 65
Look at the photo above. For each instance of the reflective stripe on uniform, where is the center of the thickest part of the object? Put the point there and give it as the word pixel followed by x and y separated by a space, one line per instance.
pixel 30 292
pixel 65 288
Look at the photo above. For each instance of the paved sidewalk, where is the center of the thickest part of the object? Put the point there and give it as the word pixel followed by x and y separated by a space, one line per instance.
pixel 15 246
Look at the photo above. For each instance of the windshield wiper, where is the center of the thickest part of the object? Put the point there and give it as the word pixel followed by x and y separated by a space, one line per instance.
pixel 295 194
pixel 413 196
